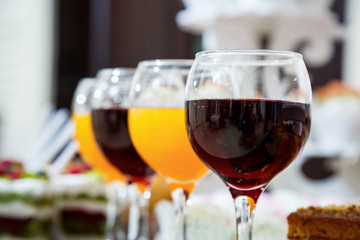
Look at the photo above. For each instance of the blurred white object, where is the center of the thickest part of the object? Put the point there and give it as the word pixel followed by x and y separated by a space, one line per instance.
pixel 335 136
pixel 26 70
pixel 352 48
pixel 211 215
pixel 336 125
pixel 294 178
pixel 63 158
pixel 243 24
pixel 57 132
pixel 50 128
pixel 75 184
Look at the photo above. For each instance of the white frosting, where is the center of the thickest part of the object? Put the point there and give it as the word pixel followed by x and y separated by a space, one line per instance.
pixel 76 184
pixel 19 209
pixel 86 205
pixel 28 186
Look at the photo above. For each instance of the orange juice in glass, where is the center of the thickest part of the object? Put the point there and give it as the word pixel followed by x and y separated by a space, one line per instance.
pixel 160 136
pixel 157 128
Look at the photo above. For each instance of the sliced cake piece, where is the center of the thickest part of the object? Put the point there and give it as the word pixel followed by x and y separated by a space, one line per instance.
pixel 81 205
pixel 330 223
pixel 26 203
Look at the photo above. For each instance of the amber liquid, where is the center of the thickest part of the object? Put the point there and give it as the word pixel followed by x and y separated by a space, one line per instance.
pixel 160 137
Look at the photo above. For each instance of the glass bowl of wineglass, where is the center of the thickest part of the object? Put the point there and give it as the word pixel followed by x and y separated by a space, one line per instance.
pixel 158 130
pixel 248 117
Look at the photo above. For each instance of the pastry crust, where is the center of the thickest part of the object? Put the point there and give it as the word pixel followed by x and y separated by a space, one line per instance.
pixel 327 223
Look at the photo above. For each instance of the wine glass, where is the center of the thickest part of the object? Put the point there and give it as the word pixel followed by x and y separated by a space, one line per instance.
pixel 81 115
pixel 158 130
pixel 90 152
pixel 110 124
pixel 248 118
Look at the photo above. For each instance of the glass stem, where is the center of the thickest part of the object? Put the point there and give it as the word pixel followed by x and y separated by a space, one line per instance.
pixel 117 201
pixel 244 212
pixel 111 218
pixel 180 204
pixel 138 224
pixel 121 204
pixel 144 216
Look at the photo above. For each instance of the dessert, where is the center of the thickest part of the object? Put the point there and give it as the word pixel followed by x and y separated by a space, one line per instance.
pixel 81 202
pixel 81 207
pixel 330 223
pixel 26 203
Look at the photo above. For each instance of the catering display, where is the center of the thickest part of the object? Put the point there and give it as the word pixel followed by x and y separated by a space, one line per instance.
pixel 26 203
pixel 72 205
pixel 81 202
pixel 245 115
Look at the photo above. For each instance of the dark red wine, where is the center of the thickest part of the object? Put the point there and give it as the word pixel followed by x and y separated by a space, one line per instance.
pixel 76 221
pixel 247 142
pixel 27 227
pixel 112 135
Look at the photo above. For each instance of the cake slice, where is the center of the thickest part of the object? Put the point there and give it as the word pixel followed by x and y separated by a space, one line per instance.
pixel 81 204
pixel 327 223
pixel 26 203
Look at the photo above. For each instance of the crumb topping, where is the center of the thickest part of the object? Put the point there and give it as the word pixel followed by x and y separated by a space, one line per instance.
pixel 333 211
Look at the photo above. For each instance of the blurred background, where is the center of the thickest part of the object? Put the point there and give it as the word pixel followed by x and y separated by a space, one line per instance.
pixel 47 46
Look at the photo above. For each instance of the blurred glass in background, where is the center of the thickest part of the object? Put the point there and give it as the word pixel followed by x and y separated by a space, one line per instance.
pixel 27 63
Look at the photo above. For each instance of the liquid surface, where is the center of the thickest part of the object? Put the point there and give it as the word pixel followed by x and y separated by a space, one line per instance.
pixel 247 142
pixel 160 137
pixel 112 135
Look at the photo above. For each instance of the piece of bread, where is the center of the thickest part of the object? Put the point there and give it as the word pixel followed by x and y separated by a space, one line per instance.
pixel 330 223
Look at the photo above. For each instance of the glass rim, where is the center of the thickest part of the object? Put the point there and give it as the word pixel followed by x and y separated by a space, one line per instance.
pixel 84 79
pixel 122 71
pixel 283 56
pixel 166 62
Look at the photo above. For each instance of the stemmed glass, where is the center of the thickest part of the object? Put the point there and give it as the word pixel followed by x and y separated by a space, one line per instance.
pixel 158 130
pixel 90 152
pixel 110 124
pixel 81 115
pixel 248 118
